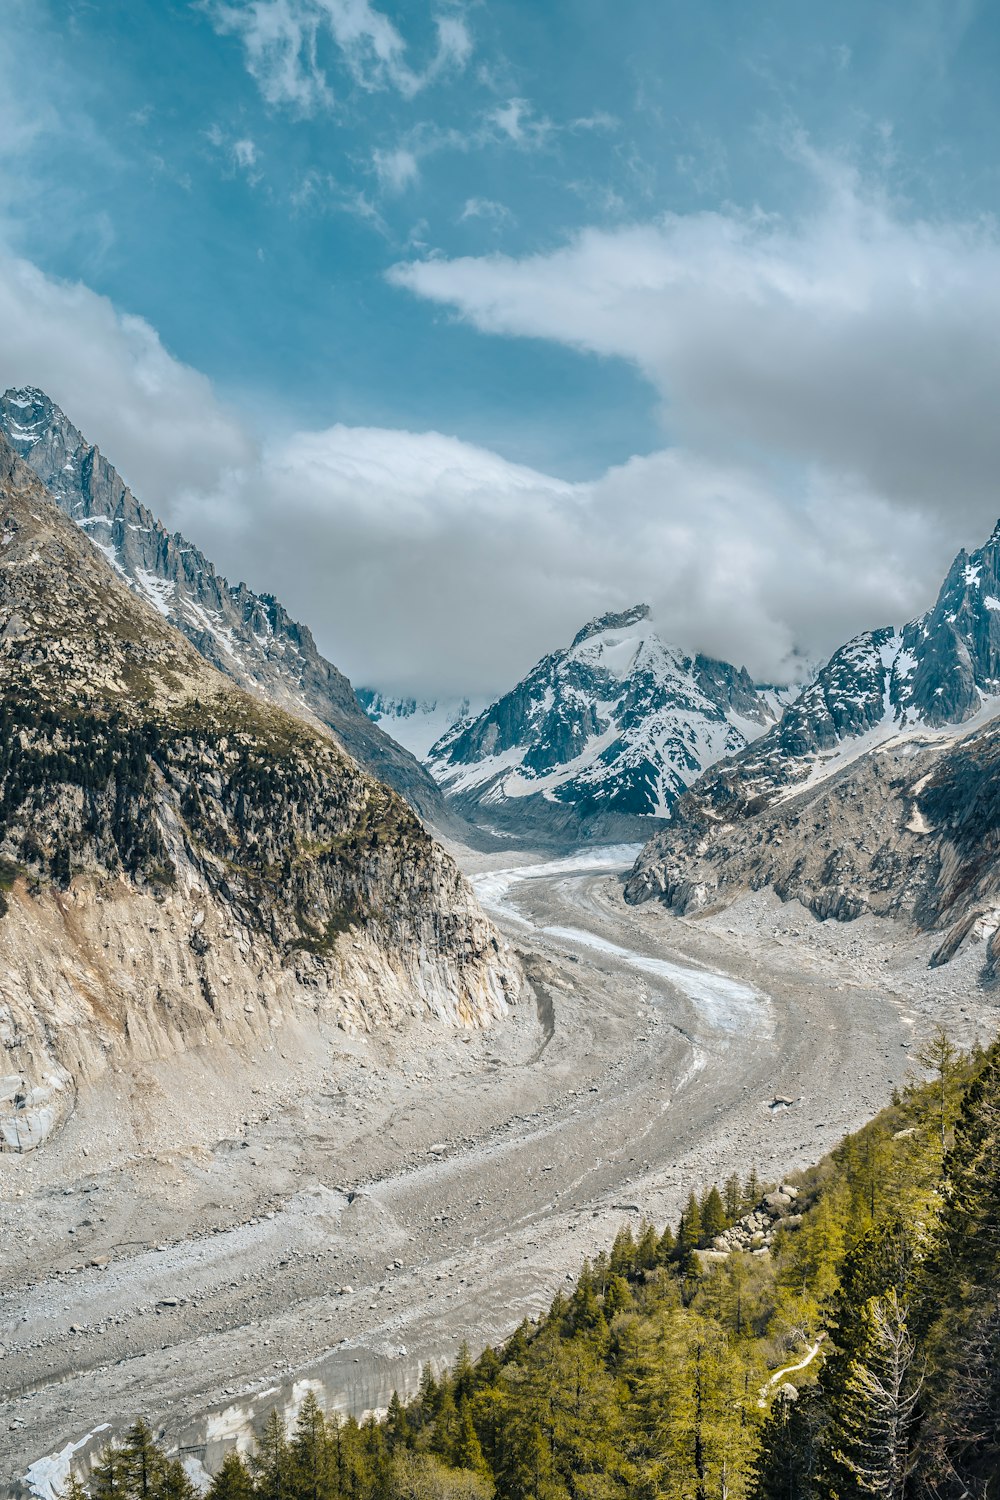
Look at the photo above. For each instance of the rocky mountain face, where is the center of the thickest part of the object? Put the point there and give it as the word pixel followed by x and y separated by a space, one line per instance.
pixel 182 863
pixel 250 637
pixel 876 791
pixel 602 738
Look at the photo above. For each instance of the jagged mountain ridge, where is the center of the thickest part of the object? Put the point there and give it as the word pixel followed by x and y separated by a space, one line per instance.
pixel 602 737
pixel 248 636
pixel 874 792
pixel 182 862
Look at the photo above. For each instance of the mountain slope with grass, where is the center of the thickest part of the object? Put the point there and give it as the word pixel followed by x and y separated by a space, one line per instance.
pixel 185 864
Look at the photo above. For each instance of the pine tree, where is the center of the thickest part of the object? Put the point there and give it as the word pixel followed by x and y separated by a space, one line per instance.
pixel 873 1414
pixel 941 1058
pixel 110 1479
pixel 463 1376
pixel 713 1214
pixel 647 1250
pixel 445 1430
pixel 466 1450
pixel 732 1198
pixel 622 1261
pixel 271 1463
pixel 73 1490
pixel 689 1230
pixel 175 1484
pixel 311 1464
pixel 145 1463
pixel 397 1424
pixel 585 1311
pixel 232 1482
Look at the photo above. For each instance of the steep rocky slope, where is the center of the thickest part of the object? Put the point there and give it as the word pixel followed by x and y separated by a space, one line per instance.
pixel 600 739
pixel 181 861
pixel 250 637
pixel 877 790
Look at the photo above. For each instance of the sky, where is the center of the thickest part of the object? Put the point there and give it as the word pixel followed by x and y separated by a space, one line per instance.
pixel 457 323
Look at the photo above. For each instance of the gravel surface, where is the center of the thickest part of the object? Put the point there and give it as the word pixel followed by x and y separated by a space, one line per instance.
pixel 334 1216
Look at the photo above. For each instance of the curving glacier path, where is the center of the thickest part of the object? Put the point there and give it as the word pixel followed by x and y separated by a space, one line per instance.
pixel 436 1186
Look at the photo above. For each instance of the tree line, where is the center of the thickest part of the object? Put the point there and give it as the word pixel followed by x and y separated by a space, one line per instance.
pixel 858 1358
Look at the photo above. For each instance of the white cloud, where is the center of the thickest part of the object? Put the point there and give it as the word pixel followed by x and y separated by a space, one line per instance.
pixel 158 420
pixel 517 122
pixel 486 208
pixel 245 154
pixel 397 169
pixel 427 564
pixel 430 564
pixel 281 41
pixel 852 338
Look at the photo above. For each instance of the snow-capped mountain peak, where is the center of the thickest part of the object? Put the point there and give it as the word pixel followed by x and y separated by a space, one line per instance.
pixel 607 732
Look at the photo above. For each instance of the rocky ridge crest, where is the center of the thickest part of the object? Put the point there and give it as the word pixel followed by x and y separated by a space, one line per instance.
pixel 248 636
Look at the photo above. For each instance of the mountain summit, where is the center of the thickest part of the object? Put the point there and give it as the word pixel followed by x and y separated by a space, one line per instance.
pixel 601 738
pixel 878 789
pixel 248 636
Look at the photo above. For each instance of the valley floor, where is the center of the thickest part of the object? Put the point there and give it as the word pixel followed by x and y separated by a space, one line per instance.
pixel 337 1210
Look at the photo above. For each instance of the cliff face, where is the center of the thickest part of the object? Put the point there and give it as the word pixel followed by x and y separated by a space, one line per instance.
pixel 180 861
pixel 249 637
pixel 909 830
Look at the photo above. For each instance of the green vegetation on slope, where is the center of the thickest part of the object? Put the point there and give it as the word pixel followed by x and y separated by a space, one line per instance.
pixel 860 1357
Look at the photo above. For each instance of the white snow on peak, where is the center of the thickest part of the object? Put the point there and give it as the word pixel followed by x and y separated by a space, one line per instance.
pixel 639 719
pixel 159 592
pixel 971 573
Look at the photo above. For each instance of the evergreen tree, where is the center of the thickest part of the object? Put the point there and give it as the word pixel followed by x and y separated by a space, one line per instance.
pixel 73 1490
pixel 271 1462
pixel 713 1214
pixel 232 1482
pixel 144 1463
pixel 110 1479
pixel 689 1230
pixel 874 1412
pixel 312 1466
pixel 941 1058
pixel 463 1375
pixel 466 1451
pixel 175 1484
pixel 397 1424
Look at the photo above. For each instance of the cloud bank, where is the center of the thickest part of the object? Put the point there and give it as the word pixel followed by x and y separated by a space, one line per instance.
pixel 829 385
pixel 850 338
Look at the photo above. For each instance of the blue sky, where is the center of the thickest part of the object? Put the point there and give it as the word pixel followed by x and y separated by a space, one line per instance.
pixel 636 261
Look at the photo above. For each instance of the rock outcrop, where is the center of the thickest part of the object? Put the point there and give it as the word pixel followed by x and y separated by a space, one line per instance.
pixel 877 792
pixel 248 636
pixel 181 861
